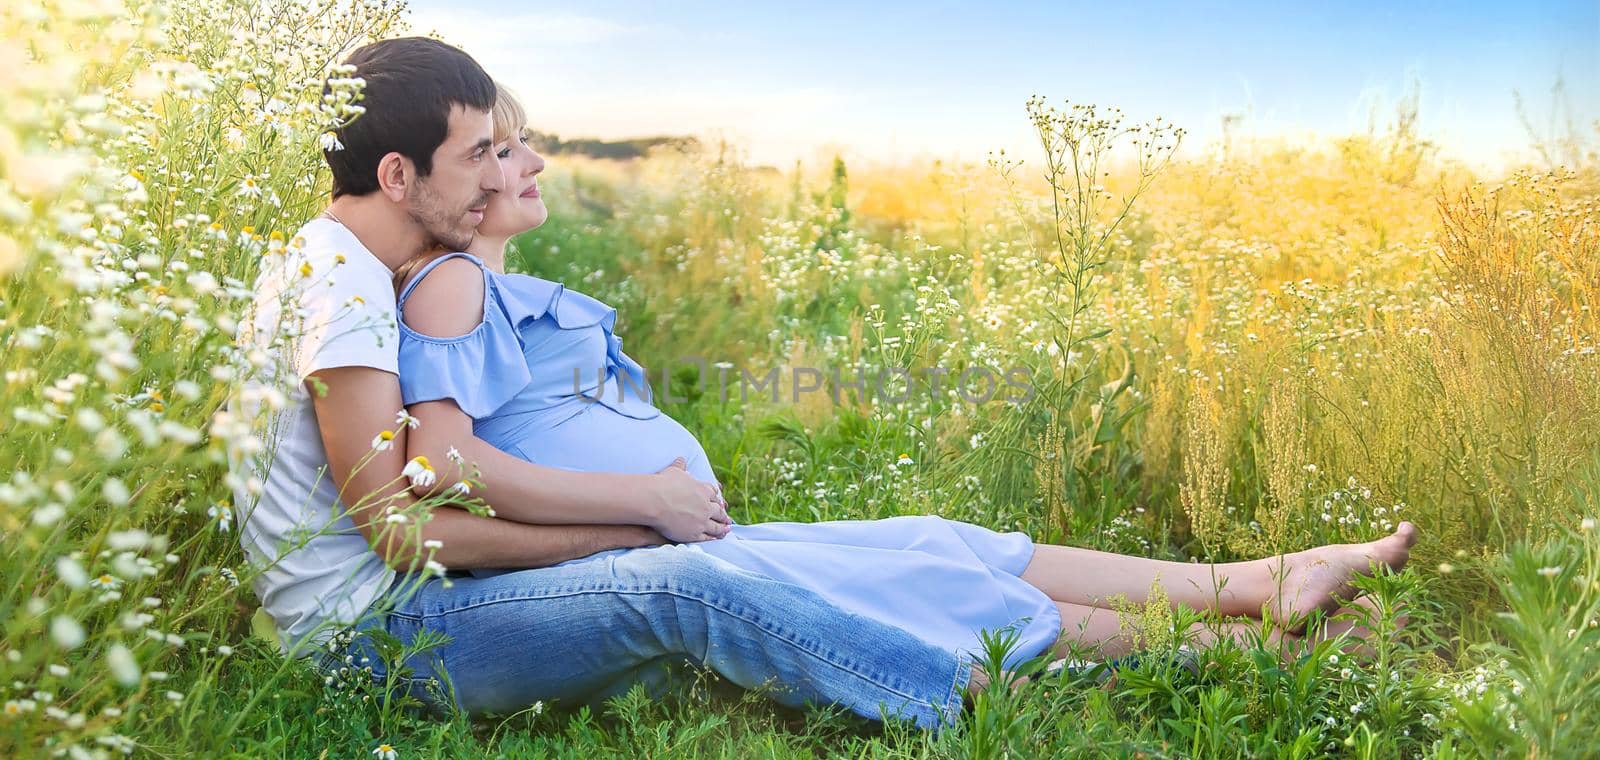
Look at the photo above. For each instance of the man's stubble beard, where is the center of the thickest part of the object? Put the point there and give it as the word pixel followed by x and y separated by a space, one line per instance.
pixel 437 221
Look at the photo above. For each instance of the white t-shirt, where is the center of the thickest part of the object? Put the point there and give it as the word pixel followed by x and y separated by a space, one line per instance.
pixel 310 586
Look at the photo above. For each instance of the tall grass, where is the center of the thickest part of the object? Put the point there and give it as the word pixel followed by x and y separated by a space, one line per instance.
pixel 1263 348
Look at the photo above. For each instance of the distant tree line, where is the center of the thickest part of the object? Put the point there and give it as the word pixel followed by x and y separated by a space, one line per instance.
pixel 636 147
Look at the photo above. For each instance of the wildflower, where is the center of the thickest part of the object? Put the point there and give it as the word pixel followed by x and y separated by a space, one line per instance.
pixel 1445 568
pixel 383 441
pixel 1587 525
pixel 124 667
pixel 1550 572
pixel 330 142
pixel 16 707
pixel 90 420
pixel 249 187
pixel 106 582
pixel 905 460
pixel 48 515
pixel 229 576
pixel 224 650
pixel 404 419
pixel 460 488
pixel 222 514
pixel 115 492
pixel 67 633
pixel 395 519
pixel 175 696
pixel 385 752
pixel 454 456
pixel 420 471
pixel 71 572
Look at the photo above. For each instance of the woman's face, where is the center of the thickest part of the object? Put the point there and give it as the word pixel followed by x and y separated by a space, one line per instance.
pixel 518 207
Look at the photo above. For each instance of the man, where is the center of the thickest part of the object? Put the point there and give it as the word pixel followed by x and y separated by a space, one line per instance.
pixel 413 172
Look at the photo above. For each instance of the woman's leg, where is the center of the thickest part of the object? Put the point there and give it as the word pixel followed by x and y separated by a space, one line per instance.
pixel 1287 586
pixel 1099 633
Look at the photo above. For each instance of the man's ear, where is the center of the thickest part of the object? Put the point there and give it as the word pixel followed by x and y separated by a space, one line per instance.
pixel 395 173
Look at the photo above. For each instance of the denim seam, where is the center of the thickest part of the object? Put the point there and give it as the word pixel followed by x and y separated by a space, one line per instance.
pixel 950 711
pixel 714 605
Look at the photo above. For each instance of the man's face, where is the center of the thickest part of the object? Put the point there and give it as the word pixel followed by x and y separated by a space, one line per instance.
pixel 449 202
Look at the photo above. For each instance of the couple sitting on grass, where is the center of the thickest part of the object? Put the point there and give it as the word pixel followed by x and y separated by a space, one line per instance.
pixel 609 554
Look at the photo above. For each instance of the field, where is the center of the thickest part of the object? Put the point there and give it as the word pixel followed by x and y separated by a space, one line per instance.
pixel 1256 347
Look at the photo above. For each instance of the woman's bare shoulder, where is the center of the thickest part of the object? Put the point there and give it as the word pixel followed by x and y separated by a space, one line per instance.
pixel 448 301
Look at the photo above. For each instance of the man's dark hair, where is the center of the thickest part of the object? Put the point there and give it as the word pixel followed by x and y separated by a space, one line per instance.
pixel 412 83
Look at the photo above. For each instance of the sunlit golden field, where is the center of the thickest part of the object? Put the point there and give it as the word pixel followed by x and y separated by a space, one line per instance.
pixel 1239 351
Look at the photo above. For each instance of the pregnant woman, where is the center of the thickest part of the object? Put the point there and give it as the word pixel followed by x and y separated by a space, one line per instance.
pixel 494 355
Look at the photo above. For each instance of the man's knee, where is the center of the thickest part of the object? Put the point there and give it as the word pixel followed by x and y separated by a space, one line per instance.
pixel 679 568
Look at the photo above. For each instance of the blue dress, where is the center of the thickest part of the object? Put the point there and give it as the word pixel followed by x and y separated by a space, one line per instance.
pixel 545 379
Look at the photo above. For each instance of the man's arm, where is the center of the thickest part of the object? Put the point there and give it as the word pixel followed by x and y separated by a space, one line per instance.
pixel 469 541
pixel 358 403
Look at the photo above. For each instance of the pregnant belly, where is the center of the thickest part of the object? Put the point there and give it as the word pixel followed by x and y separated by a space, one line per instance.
pixel 601 440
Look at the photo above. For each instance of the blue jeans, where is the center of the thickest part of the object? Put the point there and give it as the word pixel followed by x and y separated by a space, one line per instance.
pixel 592 627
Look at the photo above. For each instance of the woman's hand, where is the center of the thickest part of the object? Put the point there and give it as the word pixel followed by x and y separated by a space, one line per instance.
pixel 686 510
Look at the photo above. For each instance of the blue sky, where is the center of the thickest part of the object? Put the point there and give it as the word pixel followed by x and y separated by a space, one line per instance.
pixel 895 81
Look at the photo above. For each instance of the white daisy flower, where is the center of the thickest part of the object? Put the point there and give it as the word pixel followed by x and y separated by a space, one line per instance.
pixel 124 666
pixel 403 418
pixel 420 472
pixel 383 441
pixel 222 514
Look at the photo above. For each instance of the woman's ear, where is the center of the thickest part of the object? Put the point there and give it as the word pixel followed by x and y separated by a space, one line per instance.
pixel 394 176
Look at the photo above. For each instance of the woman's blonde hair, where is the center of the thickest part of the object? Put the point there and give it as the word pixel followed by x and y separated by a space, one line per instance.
pixel 509 118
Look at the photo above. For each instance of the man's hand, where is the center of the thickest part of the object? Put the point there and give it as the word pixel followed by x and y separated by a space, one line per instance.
pixel 686 510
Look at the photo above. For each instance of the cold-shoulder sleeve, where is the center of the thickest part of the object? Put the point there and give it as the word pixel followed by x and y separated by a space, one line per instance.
pixel 480 371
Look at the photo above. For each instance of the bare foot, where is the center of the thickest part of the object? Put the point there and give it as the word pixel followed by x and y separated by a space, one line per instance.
pixel 1351 621
pixel 1319 579
pixel 979 680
